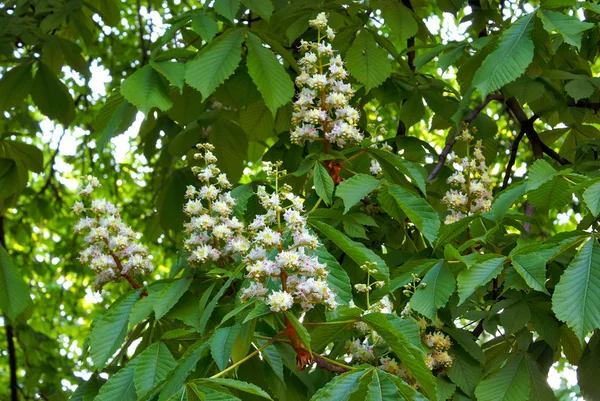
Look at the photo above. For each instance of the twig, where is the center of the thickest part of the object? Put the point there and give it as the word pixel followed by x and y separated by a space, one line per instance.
pixel 48 182
pixel 249 356
pixel 448 148
pixel 141 33
pixel 513 157
pixel 12 355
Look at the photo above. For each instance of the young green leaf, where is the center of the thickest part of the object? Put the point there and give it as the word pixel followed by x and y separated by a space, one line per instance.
pixel 215 62
pixel 576 298
pixel 367 61
pixel 434 291
pixel 14 293
pixel 205 26
pixel 570 27
pixel 274 84
pixel 356 188
pixel 510 59
pixel 153 365
pixel 146 90
pixel 323 184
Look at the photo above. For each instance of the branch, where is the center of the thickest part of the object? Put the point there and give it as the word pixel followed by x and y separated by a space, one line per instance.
pixel 448 148
pixel 583 104
pixel 12 355
pixel 141 33
pixel 513 157
pixel 538 147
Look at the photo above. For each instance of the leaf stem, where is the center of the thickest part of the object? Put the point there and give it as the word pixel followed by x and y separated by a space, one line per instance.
pixel 328 323
pixel 249 356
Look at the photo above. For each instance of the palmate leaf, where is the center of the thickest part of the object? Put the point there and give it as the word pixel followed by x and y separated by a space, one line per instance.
pixel 174 380
pixel 215 62
pixel 440 285
pixel 576 299
pixel 227 8
pixel 51 96
pixel 239 385
pixel 120 387
pixel 323 184
pixel 570 27
pixel 109 332
pixel 356 188
pixel 420 213
pixel 221 344
pixel 591 196
pixel 510 59
pixel 409 355
pixel 355 250
pixel 381 388
pixel 532 268
pixel 14 293
pixel 146 90
pixel 340 387
pixel 153 365
pixel 169 296
pixel 114 118
pixel 15 85
pixel 465 371
pixel 540 390
pixel 510 383
pixel 479 274
pixel 367 62
pixel 274 84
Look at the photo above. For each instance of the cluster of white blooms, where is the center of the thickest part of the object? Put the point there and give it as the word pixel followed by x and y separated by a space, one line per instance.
pixel 439 357
pixel 282 252
pixel 111 249
pixel 213 232
pixel 322 105
pixel 471 186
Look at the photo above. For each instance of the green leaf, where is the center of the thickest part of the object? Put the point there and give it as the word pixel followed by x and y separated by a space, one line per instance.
pixel 440 285
pixel 274 84
pixel 240 385
pixel 400 20
pixel 204 393
pixel 476 276
pixel 540 172
pixel 395 165
pixel 221 345
pixel 410 356
pixel 381 388
pixel 540 390
pixel 51 96
pixel 205 26
pixel 173 71
pixel 120 386
pixel 571 346
pixel 591 196
pixel 589 369
pixel 321 336
pixel 466 340
pixel 420 213
pixel 231 148
pixel 554 194
pixel 210 307
pixel 367 62
pixel 412 110
pixel 15 86
pixel 153 366
pixel 532 268
pixel 515 317
pixel 114 118
pixel 169 296
pixel 337 279
pixel 576 298
pixel 356 188
pixel 109 332
pixel 215 62
pixel 405 390
pixel 355 250
pixel 300 329
pixel 146 90
pixel 323 184
pixel 260 309
pixel 580 89
pixel 510 383
pixel 227 8
pixel 264 8
pixel 569 26
pixel 14 293
pixel 340 387
pixel 464 371
pixel 510 59
pixel 504 200
pixel 185 365
pixel 257 121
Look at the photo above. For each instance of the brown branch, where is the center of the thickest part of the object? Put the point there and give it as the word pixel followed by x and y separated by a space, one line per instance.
pixel 141 33
pixel 448 148
pixel 513 157
pixel 583 104
pixel 12 354
pixel 537 146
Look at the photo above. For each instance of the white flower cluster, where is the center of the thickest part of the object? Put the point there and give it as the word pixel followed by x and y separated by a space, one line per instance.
pixel 213 232
pixel 111 250
pixel 322 104
pixel 471 186
pixel 281 252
